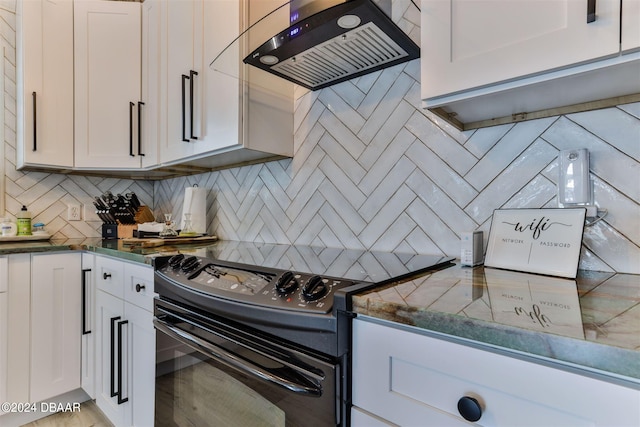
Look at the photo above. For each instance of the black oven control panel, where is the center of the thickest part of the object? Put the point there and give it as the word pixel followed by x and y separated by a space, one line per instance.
pixel 266 287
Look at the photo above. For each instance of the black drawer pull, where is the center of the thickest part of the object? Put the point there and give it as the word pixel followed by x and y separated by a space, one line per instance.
pixel 139 287
pixel 131 106
pixel 85 330
pixel 35 126
pixel 184 107
pixel 105 276
pixel 140 104
pixel 591 11
pixel 191 82
pixel 113 356
pixel 469 408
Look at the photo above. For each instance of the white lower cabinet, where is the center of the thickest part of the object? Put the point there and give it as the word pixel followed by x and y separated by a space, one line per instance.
pixel 403 377
pixel 4 317
pixel 40 320
pixel 88 326
pixel 125 342
pixel 55 322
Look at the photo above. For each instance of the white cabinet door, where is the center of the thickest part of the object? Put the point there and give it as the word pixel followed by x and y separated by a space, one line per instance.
pixel 110 315
pixel 45 44
pixel 88 326
pixel 419 380
pixel 221 98
pixel 202 105
pixel 150 119
pixel 107 55
pixel 3 347
pixel 4 318
pixel 472 43
pixel 55 322
pixel 182 31
pixel 630 25
pixel 141 367
pixel 138 285
pixel 18 335
pixel 110 276
pixel 125 344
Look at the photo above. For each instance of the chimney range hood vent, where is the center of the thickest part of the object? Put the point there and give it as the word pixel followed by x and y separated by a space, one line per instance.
pixel 330 41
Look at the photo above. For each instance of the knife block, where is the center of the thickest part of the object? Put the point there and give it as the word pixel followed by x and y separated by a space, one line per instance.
pixel 125 231
pixel 109 231
pixel 144 214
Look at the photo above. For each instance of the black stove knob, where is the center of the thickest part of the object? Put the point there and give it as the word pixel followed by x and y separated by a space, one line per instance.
pixel 286 284
pixel 189 263
pixel 174 261
pixel 315 289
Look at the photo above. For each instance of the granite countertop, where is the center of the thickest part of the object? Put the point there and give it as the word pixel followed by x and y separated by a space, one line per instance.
pixel 114 248
pixel 592 322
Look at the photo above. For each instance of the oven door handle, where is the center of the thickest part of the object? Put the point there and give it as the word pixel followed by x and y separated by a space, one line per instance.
pixel 233 360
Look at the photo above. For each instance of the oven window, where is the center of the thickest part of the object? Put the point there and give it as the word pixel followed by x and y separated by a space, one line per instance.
pixel 199 394
pixel 193 389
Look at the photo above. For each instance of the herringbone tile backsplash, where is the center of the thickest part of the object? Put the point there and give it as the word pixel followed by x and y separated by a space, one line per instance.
pixel 373 170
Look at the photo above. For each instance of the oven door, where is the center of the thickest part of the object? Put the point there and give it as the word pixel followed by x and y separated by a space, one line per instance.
pixel 211 373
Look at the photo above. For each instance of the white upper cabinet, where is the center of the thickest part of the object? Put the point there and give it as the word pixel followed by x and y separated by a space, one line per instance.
pixel 107 84
pixel 484 60
pixel 182 71
pixel 630 25
pixel 126 88
pixel 202 106
pixel 471 43
pixel 45 83
pixel 150 119
pixel 213 117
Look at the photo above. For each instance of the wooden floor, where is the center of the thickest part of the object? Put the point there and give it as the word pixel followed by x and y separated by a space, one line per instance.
pixel 88 416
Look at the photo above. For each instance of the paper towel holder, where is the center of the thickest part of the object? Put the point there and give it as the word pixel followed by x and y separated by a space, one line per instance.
pixel 195 201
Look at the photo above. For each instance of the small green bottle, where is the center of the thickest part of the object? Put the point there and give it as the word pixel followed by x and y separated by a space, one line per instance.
pixel 23 220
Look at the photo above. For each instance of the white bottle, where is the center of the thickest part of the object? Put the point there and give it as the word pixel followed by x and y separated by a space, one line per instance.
pixel 7 228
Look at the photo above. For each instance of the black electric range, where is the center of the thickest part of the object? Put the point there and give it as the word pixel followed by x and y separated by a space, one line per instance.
pixel 301 294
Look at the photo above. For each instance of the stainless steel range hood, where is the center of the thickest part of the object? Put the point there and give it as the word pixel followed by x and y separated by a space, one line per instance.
pixel 328 42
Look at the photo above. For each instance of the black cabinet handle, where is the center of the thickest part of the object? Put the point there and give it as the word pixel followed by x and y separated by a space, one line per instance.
pixel 121 400
pixel 469 408
pixel 113 355
pixel 35 127
pixel 191 81
pixel 140 104
pixel 105 276
pixel 85 331
pixel 591 11
pixel 131 105
pixel 184 120
pixel 139 287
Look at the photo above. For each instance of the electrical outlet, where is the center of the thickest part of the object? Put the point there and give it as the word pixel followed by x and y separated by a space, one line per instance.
pixel 73 212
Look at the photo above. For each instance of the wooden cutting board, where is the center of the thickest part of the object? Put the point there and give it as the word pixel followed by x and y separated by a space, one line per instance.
pixel 153 242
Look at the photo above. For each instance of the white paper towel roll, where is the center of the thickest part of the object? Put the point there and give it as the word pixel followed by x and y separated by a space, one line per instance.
pixel 195 203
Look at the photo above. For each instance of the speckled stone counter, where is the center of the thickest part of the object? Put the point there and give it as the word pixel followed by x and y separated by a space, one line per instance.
pixel 113 248
pixel 592 322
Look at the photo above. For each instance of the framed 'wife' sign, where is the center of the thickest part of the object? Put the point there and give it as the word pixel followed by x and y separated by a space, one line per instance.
pixel 544 241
